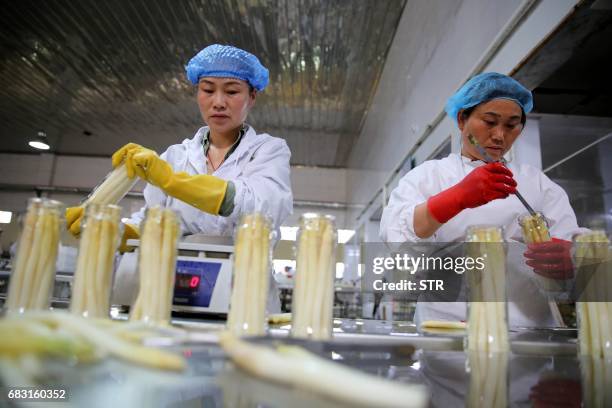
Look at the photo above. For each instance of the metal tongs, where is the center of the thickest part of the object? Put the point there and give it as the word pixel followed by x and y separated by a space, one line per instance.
pixel 489 159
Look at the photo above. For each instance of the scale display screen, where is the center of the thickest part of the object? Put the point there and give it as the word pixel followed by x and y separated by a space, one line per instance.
pixel 195 281
pixel 187 281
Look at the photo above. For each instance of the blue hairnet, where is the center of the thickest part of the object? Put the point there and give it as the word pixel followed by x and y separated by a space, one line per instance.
pixel 225 61
pixel 487 86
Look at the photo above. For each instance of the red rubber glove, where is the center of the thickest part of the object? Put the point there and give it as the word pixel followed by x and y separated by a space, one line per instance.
pixel 556 392
pixel 484 184
pixel 551 259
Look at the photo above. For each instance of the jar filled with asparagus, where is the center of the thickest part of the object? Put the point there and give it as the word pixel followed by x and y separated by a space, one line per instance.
pixel 313 291
pixel 251 277
pixel 593 258
pixel 488 379
pixel 33 273
pixel 487 305
pixel 534 229
pixel 95 264
pixel 596 378
pixel 159 234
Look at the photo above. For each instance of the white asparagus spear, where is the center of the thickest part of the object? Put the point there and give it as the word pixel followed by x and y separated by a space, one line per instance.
pixel 313 300
pixel 114 187
pixel 487 320
pixel 35 267
pixel 595 328
pixel 250 276
pixel 157 265
pixel 93 275
pixel 24 249
pixel 296 367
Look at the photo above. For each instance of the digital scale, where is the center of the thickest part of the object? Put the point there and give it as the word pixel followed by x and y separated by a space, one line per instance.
pixel 202 280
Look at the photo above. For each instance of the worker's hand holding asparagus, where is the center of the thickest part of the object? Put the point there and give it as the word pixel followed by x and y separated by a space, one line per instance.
pixel 202 191
pixel 142 162
pixel 74 216
pixel 483 184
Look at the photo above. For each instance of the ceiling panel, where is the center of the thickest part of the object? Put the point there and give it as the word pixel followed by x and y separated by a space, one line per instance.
pixel 96 74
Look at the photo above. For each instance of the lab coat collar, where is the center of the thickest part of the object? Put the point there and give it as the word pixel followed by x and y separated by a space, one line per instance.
pixel 196 152
pixel 466 160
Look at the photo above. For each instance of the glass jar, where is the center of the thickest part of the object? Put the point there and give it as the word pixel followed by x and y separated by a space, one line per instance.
pixel 535 230
pixel 487 299
pixel 33 275
pixel 251 276
pixel 489 379
pixel 159 235
pixel 313 289
pixel 592 256
pixel 100 237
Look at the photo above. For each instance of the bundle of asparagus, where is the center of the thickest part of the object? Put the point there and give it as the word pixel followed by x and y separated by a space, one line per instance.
pixel 156 266
pixel 487 313
pixel 593 258
pixel 62 335
pixel 596 382
pixel 113 188
pixel 534 228
pixel 488 380
pixel 247 314
pixel 34 272
pixel 313 292
pixel 94 271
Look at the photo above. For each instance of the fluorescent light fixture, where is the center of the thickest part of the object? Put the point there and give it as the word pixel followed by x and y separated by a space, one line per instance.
pixel 345 235
pixel 339 270
pixel 40 142
pixel 38 145
pixel 289 233
pixel 5 217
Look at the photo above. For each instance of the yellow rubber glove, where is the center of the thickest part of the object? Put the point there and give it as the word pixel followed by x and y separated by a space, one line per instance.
pixel 120 155
pixel 201 191
pixel 129 232
pixel 74 216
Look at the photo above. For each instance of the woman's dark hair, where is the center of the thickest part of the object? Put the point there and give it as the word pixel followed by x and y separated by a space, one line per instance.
pixel 465 113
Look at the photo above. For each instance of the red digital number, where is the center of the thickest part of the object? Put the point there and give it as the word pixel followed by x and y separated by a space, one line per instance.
pixel 194 282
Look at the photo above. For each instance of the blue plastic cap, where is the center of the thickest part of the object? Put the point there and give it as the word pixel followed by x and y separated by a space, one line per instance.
pixel 485 87
pixel 225 61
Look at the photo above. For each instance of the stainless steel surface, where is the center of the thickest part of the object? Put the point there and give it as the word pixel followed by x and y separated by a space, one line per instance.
pixel 94 75
pixel 212 382
pixel 524 341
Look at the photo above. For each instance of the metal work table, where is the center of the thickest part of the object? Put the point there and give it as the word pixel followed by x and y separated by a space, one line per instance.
pixel 391 350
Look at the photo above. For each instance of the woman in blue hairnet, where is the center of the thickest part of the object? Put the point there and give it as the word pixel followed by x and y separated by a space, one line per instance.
pixel 438 200
pixel 226 169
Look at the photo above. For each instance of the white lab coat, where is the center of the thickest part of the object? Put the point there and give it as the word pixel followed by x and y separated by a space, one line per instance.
pixel 434 176
pixel 259 169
